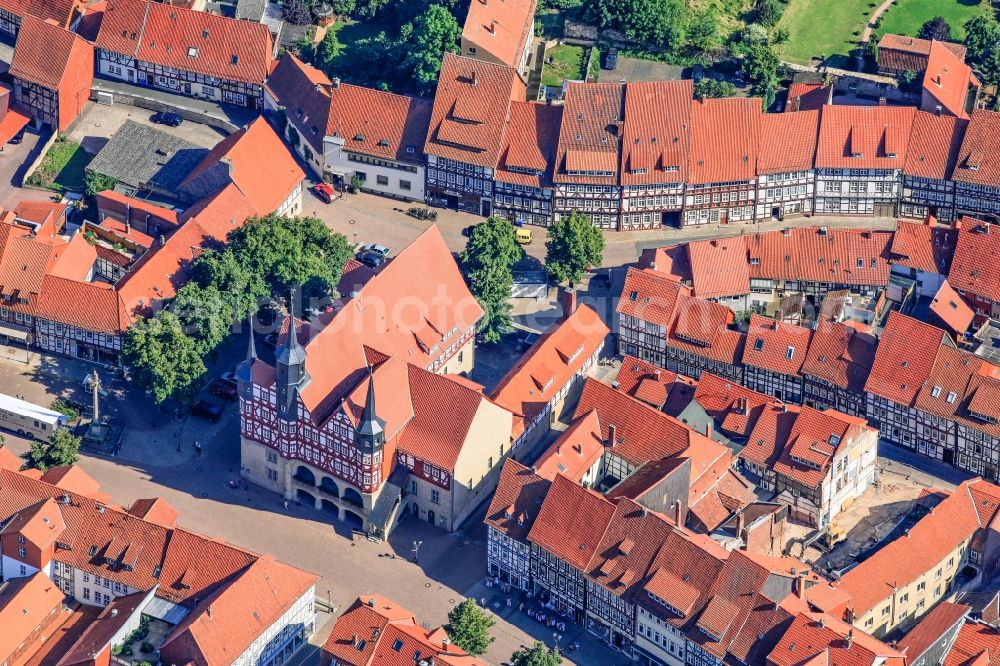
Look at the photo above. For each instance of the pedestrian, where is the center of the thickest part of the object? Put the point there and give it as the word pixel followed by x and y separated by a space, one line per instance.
pixel 286 505
pixel 521 607
pixel 508 602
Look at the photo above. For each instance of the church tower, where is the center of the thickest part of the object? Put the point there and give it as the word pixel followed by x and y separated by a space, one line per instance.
pixel 291 370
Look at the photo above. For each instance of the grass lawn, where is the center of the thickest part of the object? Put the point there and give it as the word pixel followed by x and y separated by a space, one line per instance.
pixel 818 27
pixel 62 167
pixel 906 16
pixel 350 31
pixel 567 63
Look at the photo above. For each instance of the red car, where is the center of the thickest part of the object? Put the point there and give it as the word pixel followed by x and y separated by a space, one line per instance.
pixel 325 192
pixel 224 390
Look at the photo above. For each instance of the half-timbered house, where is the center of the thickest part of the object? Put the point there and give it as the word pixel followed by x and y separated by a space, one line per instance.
pixel 977 172
pixel 785 176
pixel 523 189
pixel 930 160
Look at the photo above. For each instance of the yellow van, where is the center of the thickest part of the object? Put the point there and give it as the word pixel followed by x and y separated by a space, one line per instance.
pixel 524 236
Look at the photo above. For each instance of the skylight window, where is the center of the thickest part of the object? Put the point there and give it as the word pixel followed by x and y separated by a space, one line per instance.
pixel 790 352
pixel 758 344
pixel 936 391
pixel 951 397
pixel 192 51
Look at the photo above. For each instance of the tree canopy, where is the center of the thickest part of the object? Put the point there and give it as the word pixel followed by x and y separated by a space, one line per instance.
pixel 662 23
pixel 469 627
pixel 936 28
pixel 163 359
pixel 574 244
pixel 760 67
pixel 536 655
pixel 434 33
pixel 709 87
pixel 487 261
pixel 296 12
pixel 62 449
pixel 982 38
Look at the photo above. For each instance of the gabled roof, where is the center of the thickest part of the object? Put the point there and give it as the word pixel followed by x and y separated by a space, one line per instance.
pixel 25 603
pixel 948 79
pixel 817 254
pixel 925 247
pixel 529 153
pixel 725 139
pixel 517 500
pixel 501 28
pixel 575 451
pixel 864 137
pixel 839 354
pixel 189 40
pixel 979 156
pixel 972 506
pixel 770 432
pixel 471 110
pixel 821 635
pixel 776 346
pixel 589 137
pixel 255 160
pixel 60 11
pixel 719 267
pixel 656 145
pixel 934 145
pixel 572 522
pixel 788 141
pixel 735 408
pixel 225 624
pixel 44 52
pixel 814 442
pixel 553 360
pixel 904 53
pixel 806 96
pixel 932 628
pixel 975 266
pixel 903 360
pixel 650 296
pixel 660 388
pixel 977 644
pixel 951 309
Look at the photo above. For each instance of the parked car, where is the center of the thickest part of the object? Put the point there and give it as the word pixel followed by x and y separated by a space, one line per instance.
pixel 17 138
pixel 467 231
pixel 206 409
pixel 611 59
pixel 224 390
pixel 371 259
pixel 325 192
pixel 378 249
pixel 523 236
pixel 166 118
pixel 228 377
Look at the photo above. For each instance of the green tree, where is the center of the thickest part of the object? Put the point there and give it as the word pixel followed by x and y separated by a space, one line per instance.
pixel 910 81
pixel 469 627
pixel 760 67
pixel 296 12
pixel 205 314
pixel 936 28
pixel 62 449
pixel 343 7
pixel 487 261
pixel 536 655
pixel 661 23
pixel 709 87
pixel 982 38
pixel 768 12
pixel 703 32
pixel 434 33
pixel 574 244
pixel 162 358
pixel 98 182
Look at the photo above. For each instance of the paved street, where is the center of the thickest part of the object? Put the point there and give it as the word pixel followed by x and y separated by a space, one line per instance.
pixel 366 218
pixel 98 123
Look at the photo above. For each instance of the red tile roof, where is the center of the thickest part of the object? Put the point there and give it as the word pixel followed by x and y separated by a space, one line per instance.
pixel 924 247
pixel 725 139
pixel 818 635
pixel 720 497
pixel 948 79
pixel 931 628
pixel 979 156
pixel 719 267
pixel 897 564
pixel 806 97
pixel 188 40
pixel 770 432
pixel 934 144
pixel 501 28
pixel 813 443
pixel 651 296
pixel 575 451
pixel 96 305
pixel 821 255
pixel 589 146
pixel 375 630
pixel 977 645
pixel 25 606
pixel 951 309
pixel 371 122
pixel 661 388
pixel 734 407
pixel 60 11
pixel 44 52
pixel 904 53
pixel 471 110
pixel 225 624
pixel 788 141
pixel 552 362
pixel 656 145
pixel 776 346
pixel 702 328
pixel 572 522
pixel 902 361
pixel 90 21
pixel 530 144
pixel 255 160
pixel 517 500
pixel 975 266
pixel 864 137
pixel 841 355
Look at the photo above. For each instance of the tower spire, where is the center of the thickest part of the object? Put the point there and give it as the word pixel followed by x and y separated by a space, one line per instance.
pixel 244 371
pixel 251 347
pixel 370 433
pixel 290 362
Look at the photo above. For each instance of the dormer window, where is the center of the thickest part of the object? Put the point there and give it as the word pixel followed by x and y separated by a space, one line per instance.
pixel 192 51
pixel 790 352
pixel 936 391
pixel 638 171
pixel 951 397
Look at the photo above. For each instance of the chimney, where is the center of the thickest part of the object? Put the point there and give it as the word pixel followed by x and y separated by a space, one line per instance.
pixel 800 586
pixel 162 240
pixel 708 428
pixel 371 602
pixel 474 80
pixel 849 638
pixel 335 82
pixel 567 301
pixel 678 513
pixel 612 434
pixel 741 524
pixel 114 612
pixel 128 227
pixel 493 27
pixel 881 101
pixel 208 611
pixel 797 103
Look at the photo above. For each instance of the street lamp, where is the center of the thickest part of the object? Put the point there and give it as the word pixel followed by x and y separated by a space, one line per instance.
pixel 416 550
pixel 556 638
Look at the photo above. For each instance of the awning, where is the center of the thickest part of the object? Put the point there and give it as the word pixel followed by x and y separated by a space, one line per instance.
pixel 14 331
pixel 11 124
